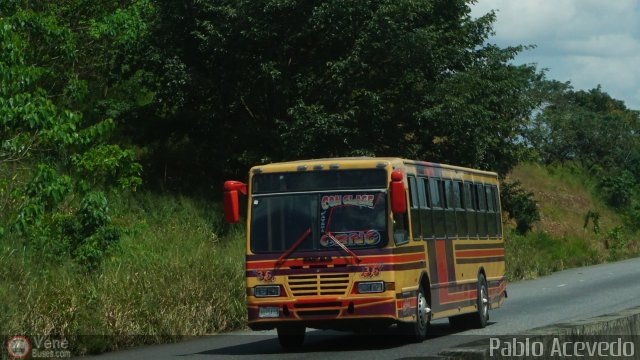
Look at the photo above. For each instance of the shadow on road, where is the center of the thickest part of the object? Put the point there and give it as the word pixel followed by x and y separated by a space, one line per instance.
pixel 322 341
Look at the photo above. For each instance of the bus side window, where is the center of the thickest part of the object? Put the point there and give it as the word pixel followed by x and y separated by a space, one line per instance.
pixel 425 209
pixel 413 192
pixel 491 212
pixel 422 195
pixel 496 206
pixel 454 196
pixel 415 212
pixel 435 193
pixel 482 211
pixel 437 205
pixel 487 190
pixel 450 206
pixel 469 204
pixel 461 213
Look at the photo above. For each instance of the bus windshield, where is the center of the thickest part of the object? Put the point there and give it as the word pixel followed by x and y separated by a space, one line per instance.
pixel 355 218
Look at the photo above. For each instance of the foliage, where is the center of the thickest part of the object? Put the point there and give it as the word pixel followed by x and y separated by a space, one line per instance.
pixel 632 216
pixel 594 218
pixel 520 205
pixel 244 82
pixel 618 190
pixel 54 150
pixel 616 241
pixel 537 254
pixel 587 126
pixel 598 132
pixel 108 164
pixel 172 277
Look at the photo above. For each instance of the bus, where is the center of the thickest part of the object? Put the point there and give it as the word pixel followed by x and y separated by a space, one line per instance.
pixel 365 243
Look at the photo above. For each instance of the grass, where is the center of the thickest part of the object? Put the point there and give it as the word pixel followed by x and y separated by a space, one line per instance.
pixel 565 195
pixel 567 235
pixel 551 254
pixel 173 276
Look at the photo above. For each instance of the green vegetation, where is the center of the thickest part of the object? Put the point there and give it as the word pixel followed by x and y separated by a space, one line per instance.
pixel 519 205
pixel 119 120
pixel 172 275
pixel 576 227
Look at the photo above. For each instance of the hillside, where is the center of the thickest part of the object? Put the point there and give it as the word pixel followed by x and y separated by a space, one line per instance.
pixel 576 227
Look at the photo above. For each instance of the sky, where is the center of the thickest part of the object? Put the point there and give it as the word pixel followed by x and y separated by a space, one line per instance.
pixel 586 42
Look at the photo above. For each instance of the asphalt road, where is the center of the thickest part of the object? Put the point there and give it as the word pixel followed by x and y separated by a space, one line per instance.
pixel 563 296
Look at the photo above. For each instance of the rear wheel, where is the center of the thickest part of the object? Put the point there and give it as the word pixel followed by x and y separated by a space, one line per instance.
pixel 291 336
pixel 417 331
pixel 482 315
pixel 479 318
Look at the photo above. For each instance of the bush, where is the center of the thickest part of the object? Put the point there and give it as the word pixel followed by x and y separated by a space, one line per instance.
pixel 616 242
pixel 632 217
pixel 618 190
pixel 85 235
pixel 520 205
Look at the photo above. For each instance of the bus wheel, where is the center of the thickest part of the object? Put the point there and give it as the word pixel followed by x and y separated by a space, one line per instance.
pixel 482 316
pixel 479 318
pixel 291 336
pixel 417 331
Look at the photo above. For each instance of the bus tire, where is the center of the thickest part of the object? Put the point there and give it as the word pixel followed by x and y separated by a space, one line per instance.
pixel 481 317
pixel 417 331
pixel 478 319
pixel 291 336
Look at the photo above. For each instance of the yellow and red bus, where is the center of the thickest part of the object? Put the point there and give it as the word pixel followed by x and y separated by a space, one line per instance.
pixel 346 243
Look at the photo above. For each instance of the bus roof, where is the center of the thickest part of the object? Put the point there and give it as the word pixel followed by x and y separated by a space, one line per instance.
pixel 357 163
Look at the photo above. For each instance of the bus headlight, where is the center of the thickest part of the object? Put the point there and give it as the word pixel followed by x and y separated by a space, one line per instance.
pixel 368 287
pixel 266 290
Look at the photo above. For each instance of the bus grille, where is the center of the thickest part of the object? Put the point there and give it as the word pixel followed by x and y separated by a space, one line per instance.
pixel 319 284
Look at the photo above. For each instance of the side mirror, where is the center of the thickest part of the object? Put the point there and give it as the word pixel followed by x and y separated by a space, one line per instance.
pixel 230 199
pixel 398 193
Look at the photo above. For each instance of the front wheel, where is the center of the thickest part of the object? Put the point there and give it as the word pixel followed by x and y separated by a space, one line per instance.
pixel 417 331
pixel 291 336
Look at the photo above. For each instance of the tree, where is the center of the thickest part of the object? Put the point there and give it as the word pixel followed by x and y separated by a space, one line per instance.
pixel 520 205
pixel 245 82
pixel 50 152
pixel 590 127
pixel 596 131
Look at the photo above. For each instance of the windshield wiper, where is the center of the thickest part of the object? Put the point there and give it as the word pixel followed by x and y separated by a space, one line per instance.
pixel 295 245
pixel 343 246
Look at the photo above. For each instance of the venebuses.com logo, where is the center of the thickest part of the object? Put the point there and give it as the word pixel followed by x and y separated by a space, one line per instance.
pixel 19 347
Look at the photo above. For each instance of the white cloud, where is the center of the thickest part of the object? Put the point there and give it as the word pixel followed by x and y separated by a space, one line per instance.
pixel 587 42
pixel 619 76
pixel 608 45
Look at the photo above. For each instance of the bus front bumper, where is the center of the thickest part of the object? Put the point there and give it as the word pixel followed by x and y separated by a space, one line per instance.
pixel 322 313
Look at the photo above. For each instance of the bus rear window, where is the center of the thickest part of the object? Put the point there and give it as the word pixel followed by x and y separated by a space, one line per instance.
pixel 319 180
